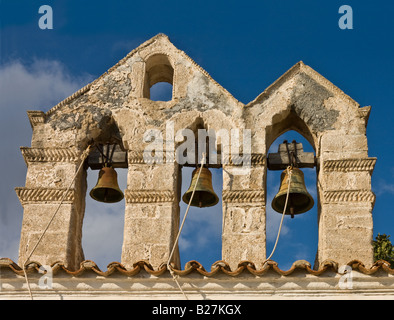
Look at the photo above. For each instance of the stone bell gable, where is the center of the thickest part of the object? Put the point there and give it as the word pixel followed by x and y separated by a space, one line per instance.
pixel 335 125
pixel 116 108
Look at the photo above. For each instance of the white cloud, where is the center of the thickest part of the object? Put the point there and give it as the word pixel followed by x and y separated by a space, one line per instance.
pixel 36 86
pixel 201 236
pixel 383 187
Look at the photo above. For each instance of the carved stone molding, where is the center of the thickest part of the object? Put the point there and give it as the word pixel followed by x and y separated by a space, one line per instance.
pixel 36 117
pixel 49 155
pixel 137 157
pixel 364 112
pixel 241 160
pixel 349 196
pixel 347 165
pixel 30 195
pixel 149 196
pixel 242 196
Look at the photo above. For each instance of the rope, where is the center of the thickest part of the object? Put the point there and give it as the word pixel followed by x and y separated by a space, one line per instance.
pixel 83 157
pixel 289 173
pixel 181 227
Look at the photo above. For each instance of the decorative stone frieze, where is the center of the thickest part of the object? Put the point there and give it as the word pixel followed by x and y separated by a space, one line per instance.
pixel 347 165
pixel 245 160
pixel 243 196
pixel 36 117
pixel 349 196
pixel 49 154
pixel 137 157
pixel 149 196
pixel 35 195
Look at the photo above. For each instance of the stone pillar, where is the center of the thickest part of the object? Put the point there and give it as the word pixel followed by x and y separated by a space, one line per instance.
pixel 49 173
pixel 152 212
pixel 243 236
pixel 346 201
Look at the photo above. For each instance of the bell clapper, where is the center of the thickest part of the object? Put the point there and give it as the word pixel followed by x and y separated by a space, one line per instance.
pixel 105 194
pixel 292 212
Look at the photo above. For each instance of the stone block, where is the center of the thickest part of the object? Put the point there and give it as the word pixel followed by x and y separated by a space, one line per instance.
pixel 337 145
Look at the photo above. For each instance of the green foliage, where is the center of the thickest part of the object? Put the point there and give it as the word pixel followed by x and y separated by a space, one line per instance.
pixel 383 249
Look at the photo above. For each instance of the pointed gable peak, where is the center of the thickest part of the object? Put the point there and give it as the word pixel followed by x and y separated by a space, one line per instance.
pixel 301 69
pixel 158 54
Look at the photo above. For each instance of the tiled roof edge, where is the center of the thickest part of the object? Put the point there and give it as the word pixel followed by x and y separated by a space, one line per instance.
pixel 194 266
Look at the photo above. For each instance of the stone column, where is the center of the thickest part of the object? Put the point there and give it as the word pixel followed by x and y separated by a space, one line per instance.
pixel 346 200
pixel 152 212
pixel 49 173
pixel 244 220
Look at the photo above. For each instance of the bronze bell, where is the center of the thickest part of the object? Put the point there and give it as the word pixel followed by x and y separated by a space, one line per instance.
pixel 204 196
pixel 107 188
pixel 299 200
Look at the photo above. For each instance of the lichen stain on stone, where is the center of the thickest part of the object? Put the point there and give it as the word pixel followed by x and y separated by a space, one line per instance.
pixel 202 95
pixel 307 100
pixel 114 92
pixel 83 116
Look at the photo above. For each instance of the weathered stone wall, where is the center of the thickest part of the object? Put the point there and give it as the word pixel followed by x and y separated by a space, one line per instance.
pixel 118 103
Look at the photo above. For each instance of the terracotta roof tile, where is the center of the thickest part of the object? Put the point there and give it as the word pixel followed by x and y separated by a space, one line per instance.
pixel 194 266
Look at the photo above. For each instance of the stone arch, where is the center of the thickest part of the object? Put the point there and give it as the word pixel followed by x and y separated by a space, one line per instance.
pixel 202 243
pixel 220 125
pixel 286 121
pixel 333 123
pixel 283 122
pixel 158 68
pixel 59 141
pixel 299 235
pixel 106 137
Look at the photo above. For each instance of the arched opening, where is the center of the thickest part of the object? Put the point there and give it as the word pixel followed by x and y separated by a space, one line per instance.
pixel 161 91
pixel 103 224
pixel 159 76
pixel 201 235
pixel 299 236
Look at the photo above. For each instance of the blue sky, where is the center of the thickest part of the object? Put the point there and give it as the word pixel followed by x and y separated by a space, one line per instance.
pixel 243 45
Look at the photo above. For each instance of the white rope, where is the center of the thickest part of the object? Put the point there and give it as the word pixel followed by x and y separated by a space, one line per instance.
pixel 289 173
pixel 27 283
pixel 83 157
pixel 181 227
